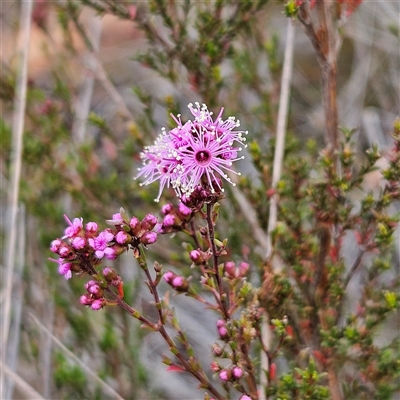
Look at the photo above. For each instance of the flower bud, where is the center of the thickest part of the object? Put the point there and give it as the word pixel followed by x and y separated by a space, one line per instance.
pixel 98 304
pixel 245 397
pixel 64 250
pixel 78 243
pixel 55 245
pixel 94 289
pixel 167 208
pixel 177 282
pixel 149 238
pixel 224 375
pixel 243 268
pixel 196 256
pixel 168 276
pixel 134 224
pixel 109 274
pixel 217 350
pixel 86 300
pixel 237 372
pixel 123 238
pixel 169 221
pixel 184 212
pixel 149 222
pixel 214 366
pixel 230 269
pixel 92 228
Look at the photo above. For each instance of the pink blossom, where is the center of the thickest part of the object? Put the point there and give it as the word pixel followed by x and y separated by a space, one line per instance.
pixel 101 242
pixel 74 228
pixel 201 148
pixel 64 267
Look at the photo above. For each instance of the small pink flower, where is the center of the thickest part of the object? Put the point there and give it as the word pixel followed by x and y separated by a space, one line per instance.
pixel 74 228
pixel 111 254
pixel 101 242
pixel 245 397
pixel 64 268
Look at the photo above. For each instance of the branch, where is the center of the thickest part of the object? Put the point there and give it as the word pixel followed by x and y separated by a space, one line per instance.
pixel 15 171
pixel 276 175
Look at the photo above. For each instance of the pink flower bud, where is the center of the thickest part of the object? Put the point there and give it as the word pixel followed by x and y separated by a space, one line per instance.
pixel 98 304
pixel 184 211
pixel 78 243
pixel 196 257
pixel 169 221
pixel 65 269
pixel 55 245
pixel 86 300
pixel 223 332
pixel 217 350
pixel 245 397
pixel 237 372
pixel 230 269
pixel 169 276
pixel 92 228
pixel 220 323
pixel 149 222
pixel 215 367
pixel 167 208
pixel 123 238
pixel 64 250
pixel 149 238
pixel 109 274
pixel 243 268
pixel 224 375
pixel 134 224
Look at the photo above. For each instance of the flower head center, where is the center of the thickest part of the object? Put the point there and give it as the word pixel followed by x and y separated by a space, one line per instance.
pixel 203 157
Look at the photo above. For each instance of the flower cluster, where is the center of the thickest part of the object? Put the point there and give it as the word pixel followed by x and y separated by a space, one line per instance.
pixel 193 151
pixel 175 218
pixel 82 248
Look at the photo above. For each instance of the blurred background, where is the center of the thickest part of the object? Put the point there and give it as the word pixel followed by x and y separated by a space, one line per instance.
pixel 99 88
